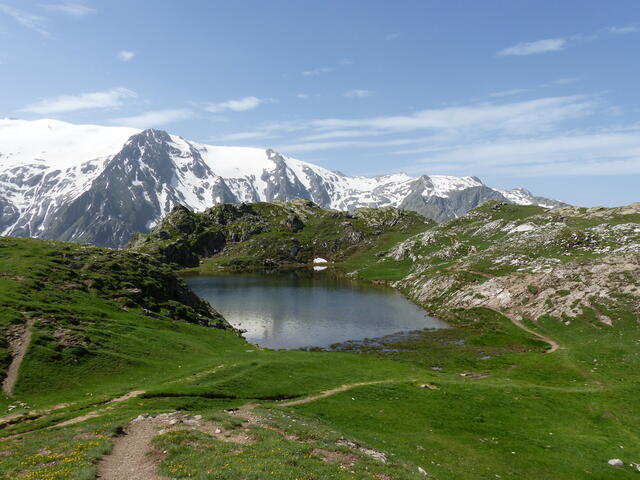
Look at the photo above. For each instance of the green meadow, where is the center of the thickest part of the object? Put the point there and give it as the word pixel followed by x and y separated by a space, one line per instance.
pixel 480 400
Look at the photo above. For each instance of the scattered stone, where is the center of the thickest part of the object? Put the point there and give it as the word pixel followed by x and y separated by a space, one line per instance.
pixel 370 452
pixel 616 462
pixel 430 386
pixel 474 375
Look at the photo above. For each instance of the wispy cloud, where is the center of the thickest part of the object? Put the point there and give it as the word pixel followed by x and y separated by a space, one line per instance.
pixel 333 134
pixel 315 71
pixel 508 93
pixel 240 105
pixel 303 96
pixel 392 36
pixel 358 93
pixel 515 117
pixel 73 9
pixel 561 43
pixel 126 55
pixel 26 19
pixel 452 124
pixel 430 130
pixel 623 30
pixel 561 81
pixel 533 48
pixel 234 137
pixel 526 138
pixel 84 101
pixel 518 91
pixel 591 153
pixel 154 118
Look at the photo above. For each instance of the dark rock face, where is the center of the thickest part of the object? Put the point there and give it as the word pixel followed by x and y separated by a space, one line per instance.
pixel 8 213
pixel 280 185
pixel 455 205
pixel 318 188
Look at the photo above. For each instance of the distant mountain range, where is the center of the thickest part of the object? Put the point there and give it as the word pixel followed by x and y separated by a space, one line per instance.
pixel 100 184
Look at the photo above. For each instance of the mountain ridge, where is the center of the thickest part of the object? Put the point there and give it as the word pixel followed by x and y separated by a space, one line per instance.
pixel 100 185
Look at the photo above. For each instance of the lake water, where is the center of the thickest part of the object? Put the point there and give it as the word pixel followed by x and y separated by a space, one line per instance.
pixel 298 309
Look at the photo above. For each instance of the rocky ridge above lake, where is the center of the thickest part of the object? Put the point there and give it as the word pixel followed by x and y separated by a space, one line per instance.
pixel 270 234
pixel 528 262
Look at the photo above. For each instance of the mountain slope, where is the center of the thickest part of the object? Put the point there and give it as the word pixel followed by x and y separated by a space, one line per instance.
pixel 102 184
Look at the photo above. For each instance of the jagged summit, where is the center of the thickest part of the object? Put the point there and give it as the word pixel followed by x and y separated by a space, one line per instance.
pixel 101 184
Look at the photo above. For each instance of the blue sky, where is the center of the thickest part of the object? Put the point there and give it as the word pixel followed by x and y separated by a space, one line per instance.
pixel 539 94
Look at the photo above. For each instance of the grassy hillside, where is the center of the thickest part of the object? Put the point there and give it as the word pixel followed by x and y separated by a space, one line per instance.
pixel 93 310
pixel 481 400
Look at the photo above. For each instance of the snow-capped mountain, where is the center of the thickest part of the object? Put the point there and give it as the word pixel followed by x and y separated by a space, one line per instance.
pixel 101 184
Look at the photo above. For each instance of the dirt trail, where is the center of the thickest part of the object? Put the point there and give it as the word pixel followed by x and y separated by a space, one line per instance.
pixel 553 344
pixel 328 393
pixel 127 396
pixel 18 347
pixel 97 413
pixel 132 456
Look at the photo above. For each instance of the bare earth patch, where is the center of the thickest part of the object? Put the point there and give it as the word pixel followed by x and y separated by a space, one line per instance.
pixel 345 459
pixel 327 393
pixel 18 345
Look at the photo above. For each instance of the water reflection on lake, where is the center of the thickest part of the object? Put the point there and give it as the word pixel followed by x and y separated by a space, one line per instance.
pixel 300 309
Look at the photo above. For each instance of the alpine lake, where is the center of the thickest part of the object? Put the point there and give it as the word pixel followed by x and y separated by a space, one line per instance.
pixel 303 309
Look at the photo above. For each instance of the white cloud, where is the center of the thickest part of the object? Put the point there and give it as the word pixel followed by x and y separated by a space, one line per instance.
pixel 84 101
pixel 560 43
pixel 561 81
pixel 73 9
pixel 595 153
pixel 240 105
pixel 346 61
pixel 303 96
pixel 306 145
pixel 358 93
pixel 126 55
pixel 539 46
pixel 393 36
pixel 526 138
pixel 234 137
pixel 26 19
pixel 336 134
pixel 508 93
pixel 438 128
pixel 317 146
pixel 513 118
pixel 623 30
pixel 154 118
pixel 316 71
